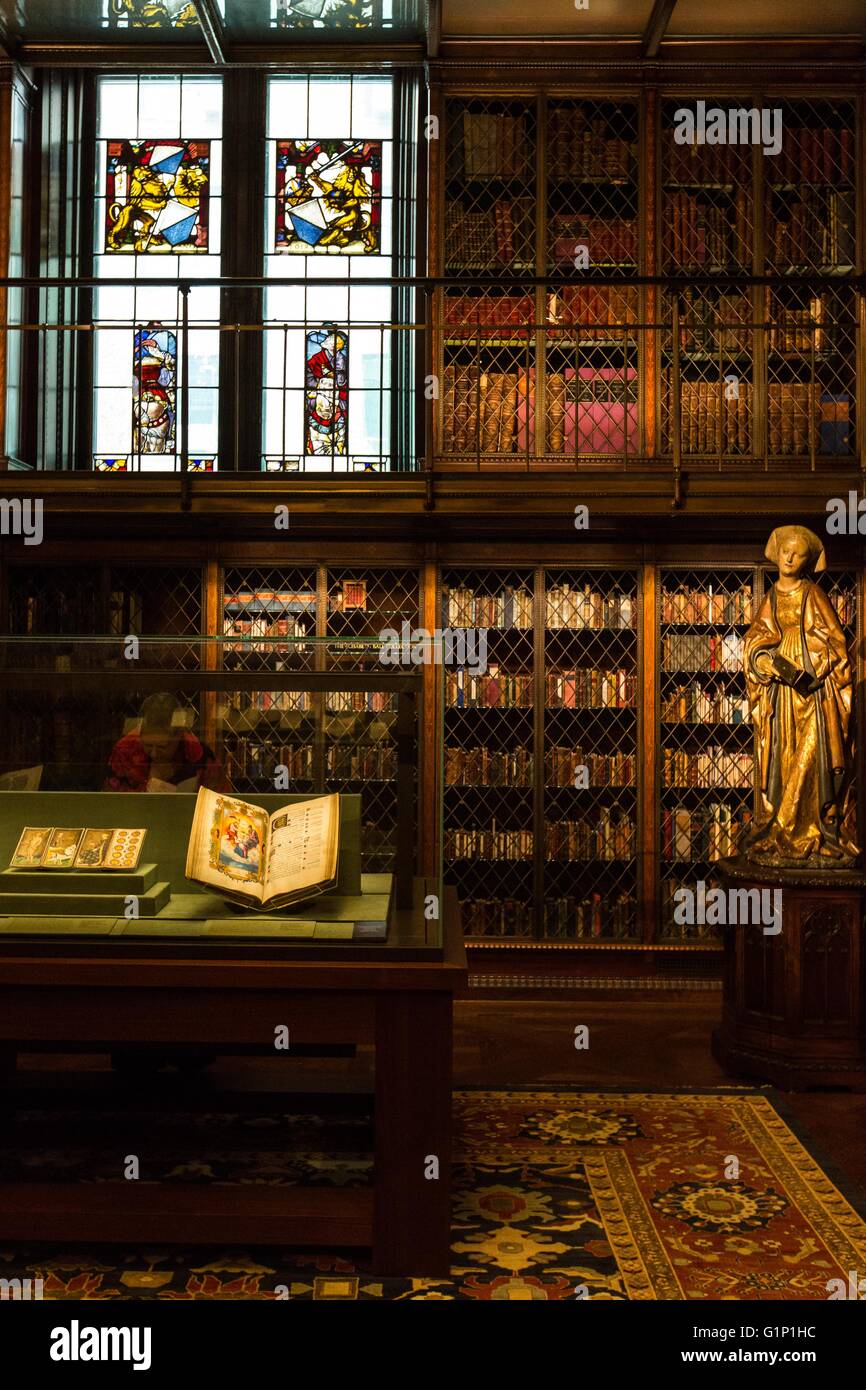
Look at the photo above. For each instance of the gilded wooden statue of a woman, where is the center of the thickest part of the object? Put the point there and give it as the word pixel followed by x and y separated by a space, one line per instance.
pixel 800 688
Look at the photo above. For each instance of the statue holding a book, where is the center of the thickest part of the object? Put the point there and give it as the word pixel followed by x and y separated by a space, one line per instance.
pixel 800 687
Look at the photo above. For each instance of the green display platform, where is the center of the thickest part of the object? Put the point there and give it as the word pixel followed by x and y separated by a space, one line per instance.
pixel 354 917
pixel 71 894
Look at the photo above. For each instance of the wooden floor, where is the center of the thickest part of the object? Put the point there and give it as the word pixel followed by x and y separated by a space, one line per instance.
pixel 653 1042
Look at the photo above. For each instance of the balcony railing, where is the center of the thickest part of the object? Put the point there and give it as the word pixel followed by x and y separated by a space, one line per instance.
pixel 526 375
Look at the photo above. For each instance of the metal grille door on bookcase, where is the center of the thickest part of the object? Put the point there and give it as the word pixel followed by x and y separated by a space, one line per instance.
pixel 490 185
pixel 158 600
pixel 716 373
pixel 45 600
pixel 488 403
pixel 707 228
pixel 707 203
pixel 811 225
pixel 360 729
pixel 705 742
pixel 262 730
pixel 590 741
pixel 592 185
pixel 489 768
pixel 592 208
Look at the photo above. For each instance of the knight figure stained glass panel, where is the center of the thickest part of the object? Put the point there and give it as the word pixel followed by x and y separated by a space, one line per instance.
pixel 323 14
pixel 328 196
pixel 326 394
pixel 149 14
pixel 157 196
pixel 154 405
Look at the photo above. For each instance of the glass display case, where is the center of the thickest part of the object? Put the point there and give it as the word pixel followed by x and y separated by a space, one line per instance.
pixel 123 733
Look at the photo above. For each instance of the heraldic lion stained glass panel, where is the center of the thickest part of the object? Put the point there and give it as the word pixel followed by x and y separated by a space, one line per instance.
pixel 326 396
pixel 157 196
pixel 328 196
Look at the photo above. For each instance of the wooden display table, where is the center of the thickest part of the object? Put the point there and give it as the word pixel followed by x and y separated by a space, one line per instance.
pixel 794 1009
pixel 224 994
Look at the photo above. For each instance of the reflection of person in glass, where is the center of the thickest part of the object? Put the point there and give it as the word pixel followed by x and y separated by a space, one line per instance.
pixel 161 756
pixel 800 692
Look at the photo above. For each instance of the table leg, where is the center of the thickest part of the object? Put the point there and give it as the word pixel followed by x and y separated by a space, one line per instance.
pixel 412 1211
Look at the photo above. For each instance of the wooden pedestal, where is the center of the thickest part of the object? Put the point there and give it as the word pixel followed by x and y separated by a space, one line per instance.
pixel 794 1008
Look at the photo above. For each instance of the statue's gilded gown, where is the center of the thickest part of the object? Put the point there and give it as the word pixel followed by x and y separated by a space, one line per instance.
pixel 801 740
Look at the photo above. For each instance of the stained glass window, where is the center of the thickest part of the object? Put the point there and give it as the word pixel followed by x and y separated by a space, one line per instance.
pixel 324 14
pixel 157 196
pixel 154 404
pixel 326 396
pixel 158 219
pixel 149 14
pixel 328 196
pixel 328 347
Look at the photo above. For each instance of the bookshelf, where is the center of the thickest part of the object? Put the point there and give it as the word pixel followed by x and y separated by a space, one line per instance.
pixel 590 802
pixel 327 741
pixel 541 754
pixel 491 754
pixel 546 371
pixel 810 200
pixel 705 762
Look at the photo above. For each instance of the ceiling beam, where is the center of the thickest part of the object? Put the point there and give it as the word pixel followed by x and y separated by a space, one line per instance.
pixel 211 28
pixel 656 26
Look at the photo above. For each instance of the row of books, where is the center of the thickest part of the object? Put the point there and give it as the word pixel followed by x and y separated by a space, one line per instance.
pixel 590 688
pixel 686 931
pixel 466 690
pixel 358 701
pixel 586 607
pixel 798 329
pixel 502 234
pixel 489 310
pixel 707 164
pixel 570 766
pixel 711 322
pixel 583 146
pixel 715 766
pixel 607 240
pixel 253 760
pixel 488 843
pixel 792 418
pixel 368 763
pixel 818 230
pixel 703 835
pixel 465 607
pixel 693 704
pixel 599 308
pixel 809 154
pixel 267 701
pixel 712 418
pixel 480 410
pixel 688 604
pixel 687 651
pixel 596 915
pixel 496 917
pixel 611 837
pixel 703 233
pixel 495 145
pixel 488 767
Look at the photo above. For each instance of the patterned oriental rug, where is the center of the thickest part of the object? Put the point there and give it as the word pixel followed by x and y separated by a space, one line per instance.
pixel 558 1194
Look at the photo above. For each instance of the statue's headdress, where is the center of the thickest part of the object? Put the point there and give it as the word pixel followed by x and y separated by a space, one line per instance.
pixel 817 558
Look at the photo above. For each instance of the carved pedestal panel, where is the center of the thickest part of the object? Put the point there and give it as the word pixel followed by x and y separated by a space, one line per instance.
pixel 794 1011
